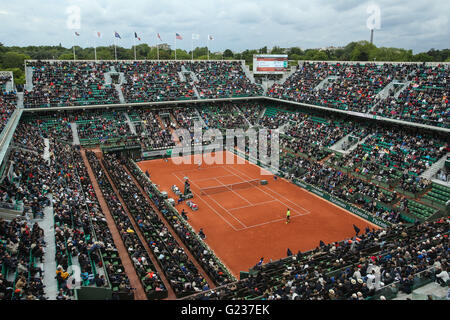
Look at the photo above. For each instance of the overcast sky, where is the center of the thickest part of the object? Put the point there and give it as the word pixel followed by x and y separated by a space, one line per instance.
pixel 234 24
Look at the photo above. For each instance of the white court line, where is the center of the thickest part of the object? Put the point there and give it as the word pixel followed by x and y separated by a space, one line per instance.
pixel 196 170
pixel 217 204
pixel 234 192
pixel 296 205
pixel 254 205
pixel 228 175
pixel 273 221
pixel 268 187
pixel 210 206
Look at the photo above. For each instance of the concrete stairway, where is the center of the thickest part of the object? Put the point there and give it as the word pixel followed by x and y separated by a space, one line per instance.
pixel 325 83
pixel 76 139
pixel 182 77
pixel 247 72
pixel 29 78
pixel 46 154
pixel 108 79
pixel 242 114
pixel 200 119
pixel 118 88
pixel 51 285
pixel 338 145
pixel 9 86
pixel 383 94
pixel 130 123
pixel 19 99
pixel 436 291
pixel 287 75
pixel 193 76
pixel 405 85
pixel 196 92
pixel 353 147
pixel 431 171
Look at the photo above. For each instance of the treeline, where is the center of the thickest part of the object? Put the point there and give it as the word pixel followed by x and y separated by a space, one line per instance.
pixel 12 58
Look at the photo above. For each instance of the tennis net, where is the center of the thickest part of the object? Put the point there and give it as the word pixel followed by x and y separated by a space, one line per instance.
pixel 229 187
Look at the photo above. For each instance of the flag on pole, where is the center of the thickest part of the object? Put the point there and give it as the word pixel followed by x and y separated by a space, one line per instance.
pixel 159 37
pixel 195 36
pixel 136 36
pixel 210 37
pixel 178 36
pixel 99 35
pixel 117 35
pixel 77 34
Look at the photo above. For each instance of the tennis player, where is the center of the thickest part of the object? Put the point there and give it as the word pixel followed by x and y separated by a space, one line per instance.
pixel 288 216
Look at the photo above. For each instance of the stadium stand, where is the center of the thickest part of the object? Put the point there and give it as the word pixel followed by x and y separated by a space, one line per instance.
pixel 184 277
pixel 151 280
pixel 154 81
pixel 380 263
pixel 356 87
pixel 222 79
pixel 372 165
pixel 58 84
pixel 7 101
pixel 425 100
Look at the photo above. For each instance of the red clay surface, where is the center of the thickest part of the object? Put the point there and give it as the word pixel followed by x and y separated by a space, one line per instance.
pixel 246 224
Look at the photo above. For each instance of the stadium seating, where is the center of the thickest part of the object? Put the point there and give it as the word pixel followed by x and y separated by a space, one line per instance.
pixel 197 247
pixel 343 270
pixel 154 81
pixel 150 279
pixel 58 84
pixel 182 274
pixel 7 102
pixel 356 87
pixel 425 100
pixel 222 79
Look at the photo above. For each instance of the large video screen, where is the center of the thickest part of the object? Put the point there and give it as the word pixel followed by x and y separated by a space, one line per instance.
pixel 270 63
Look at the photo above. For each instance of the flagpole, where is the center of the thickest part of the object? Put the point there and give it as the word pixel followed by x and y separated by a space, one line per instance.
pixel 95 49
pixel 115 48
pixel 74 48
pixel 157 45
pixel 175 47
pixel 134 42
pixel 207 46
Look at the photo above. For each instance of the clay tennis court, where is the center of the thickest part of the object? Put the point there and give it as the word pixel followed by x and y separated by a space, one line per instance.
pixel 249 222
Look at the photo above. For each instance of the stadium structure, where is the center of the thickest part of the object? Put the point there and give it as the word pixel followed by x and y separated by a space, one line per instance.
pixel 95 206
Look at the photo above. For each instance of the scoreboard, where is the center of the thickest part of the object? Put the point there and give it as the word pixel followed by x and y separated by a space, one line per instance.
pixel 270 63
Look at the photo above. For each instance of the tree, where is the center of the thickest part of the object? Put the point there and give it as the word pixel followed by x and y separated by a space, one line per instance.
pixel 422 57
pixel 277 50
pixel 200 51
pixel 295 51
pixel 66 56
pixel 263 50
pixel 228 53
pixel 19 75
pixel 295 57
pixel 362 51
pixel 13 59
pixel 105 53
pixel 247 55
pixel 181 55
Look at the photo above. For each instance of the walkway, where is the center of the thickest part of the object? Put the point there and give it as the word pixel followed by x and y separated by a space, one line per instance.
pixel 171 294
pixel 173 232
pixel 128 265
